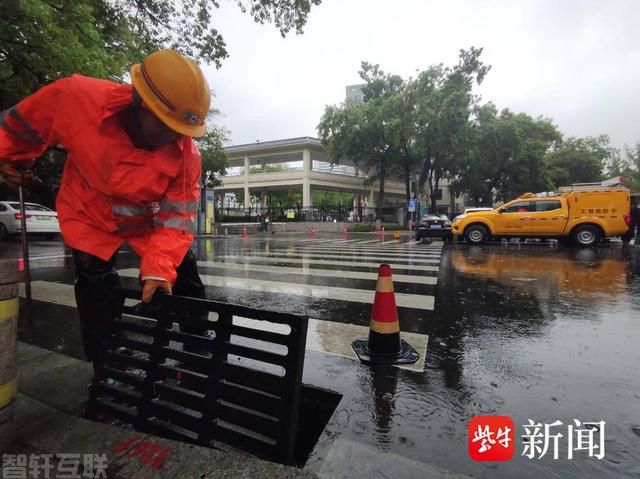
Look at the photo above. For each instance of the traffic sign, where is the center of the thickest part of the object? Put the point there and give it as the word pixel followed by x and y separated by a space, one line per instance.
pixel 412 205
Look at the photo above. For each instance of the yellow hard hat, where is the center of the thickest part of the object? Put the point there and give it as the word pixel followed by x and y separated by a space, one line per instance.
pixel 175 90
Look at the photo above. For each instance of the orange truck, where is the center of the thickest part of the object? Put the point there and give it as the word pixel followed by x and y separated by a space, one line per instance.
pixel 582 217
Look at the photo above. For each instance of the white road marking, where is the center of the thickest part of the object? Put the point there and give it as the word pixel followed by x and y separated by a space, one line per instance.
pixel 306 290
pixel 350 256
pixel 310 271
pixel 323 336
pixel 310 262
pixel 382 253
pixel 364 249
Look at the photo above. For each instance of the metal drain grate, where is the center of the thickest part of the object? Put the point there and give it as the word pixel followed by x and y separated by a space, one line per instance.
pixel 239 384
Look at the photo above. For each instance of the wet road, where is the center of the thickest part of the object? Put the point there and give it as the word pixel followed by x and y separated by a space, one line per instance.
pixel 530 331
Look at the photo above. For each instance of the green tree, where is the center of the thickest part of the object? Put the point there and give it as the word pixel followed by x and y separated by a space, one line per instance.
pixel 578 160
pixel 43 40
pixel 506 155
pixel 443 100
pixel 626 165
pixel 214 158
pixel 362 132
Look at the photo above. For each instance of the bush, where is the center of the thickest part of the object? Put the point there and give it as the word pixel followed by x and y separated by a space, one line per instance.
pixel 363 227
pixel 392 227
pixel 367 227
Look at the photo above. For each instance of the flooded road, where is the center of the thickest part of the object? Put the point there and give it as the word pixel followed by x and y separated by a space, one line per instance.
pixel 531 331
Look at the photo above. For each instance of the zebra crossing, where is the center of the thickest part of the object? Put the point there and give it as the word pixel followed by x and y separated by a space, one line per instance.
pixel 324 274
pixel 330 280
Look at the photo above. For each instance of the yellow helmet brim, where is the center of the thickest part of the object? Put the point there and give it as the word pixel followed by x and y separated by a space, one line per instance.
pixel 162 111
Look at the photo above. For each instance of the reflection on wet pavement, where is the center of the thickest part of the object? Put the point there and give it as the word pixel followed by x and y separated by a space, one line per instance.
pixel 528 331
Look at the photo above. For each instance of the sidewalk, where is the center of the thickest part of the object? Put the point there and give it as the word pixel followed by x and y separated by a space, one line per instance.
pixel 52 395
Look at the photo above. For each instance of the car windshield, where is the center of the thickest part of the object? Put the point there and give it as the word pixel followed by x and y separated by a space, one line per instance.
pixel 430 218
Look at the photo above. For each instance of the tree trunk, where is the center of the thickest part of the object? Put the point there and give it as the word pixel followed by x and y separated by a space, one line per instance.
pixel 432 193
pixel 407 178
pixel 425 171
pixel 381 191
pixel 436 183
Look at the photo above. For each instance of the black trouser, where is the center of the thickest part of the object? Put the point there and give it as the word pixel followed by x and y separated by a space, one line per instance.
pixel 100 303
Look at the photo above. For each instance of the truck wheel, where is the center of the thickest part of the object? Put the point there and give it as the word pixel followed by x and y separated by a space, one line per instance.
pixel 476 234
pixel 585 235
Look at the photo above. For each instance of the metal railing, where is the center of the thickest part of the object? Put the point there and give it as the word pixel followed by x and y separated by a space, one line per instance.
pixel 284 213
pixel 240 384
pixel 340 213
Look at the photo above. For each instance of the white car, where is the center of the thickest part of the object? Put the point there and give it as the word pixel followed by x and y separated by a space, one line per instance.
pixel 40 219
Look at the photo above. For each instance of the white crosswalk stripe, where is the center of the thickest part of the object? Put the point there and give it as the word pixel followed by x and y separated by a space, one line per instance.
pixel 347 264
pixel 371 250
pixel 323 336
pixel 310 271
pixel 354 256
pixel 380 257
pixel 307 290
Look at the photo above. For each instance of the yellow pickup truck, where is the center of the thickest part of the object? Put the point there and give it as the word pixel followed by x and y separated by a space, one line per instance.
pixel 580 217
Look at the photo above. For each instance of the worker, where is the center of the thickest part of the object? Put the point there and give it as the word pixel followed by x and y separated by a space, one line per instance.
pixel 131 175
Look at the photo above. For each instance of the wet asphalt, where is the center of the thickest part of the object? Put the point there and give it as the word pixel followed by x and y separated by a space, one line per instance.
pixel 532 331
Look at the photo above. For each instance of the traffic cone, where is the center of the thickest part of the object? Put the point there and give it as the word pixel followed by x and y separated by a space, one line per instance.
pixel 384 345
pixel 244 232
pixel 20 265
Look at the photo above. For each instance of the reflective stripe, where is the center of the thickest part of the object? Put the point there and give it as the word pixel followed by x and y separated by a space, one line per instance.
pixel 29 134
pixel 176 222
pixel 178 206
pixel 127 210
pixel 140 227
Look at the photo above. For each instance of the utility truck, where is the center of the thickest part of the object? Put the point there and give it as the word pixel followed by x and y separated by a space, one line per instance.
pixel 581 214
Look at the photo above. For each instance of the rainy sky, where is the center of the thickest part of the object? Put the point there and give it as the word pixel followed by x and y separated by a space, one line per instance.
pixel 576 62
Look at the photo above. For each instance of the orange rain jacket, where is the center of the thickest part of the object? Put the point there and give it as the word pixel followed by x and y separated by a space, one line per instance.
pixel 111 191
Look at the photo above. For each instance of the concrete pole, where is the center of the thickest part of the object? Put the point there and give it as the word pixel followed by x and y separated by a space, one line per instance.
pixel 306 181
pixel 8 330
pixel 372 198
pixel 247 202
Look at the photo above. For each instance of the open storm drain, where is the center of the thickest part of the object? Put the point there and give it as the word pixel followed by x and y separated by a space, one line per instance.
pixel 237 384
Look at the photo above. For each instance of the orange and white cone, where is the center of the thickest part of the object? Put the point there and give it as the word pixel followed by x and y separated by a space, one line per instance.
pixel 384 345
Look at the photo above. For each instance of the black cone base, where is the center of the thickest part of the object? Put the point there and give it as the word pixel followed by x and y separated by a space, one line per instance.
pixel 406 355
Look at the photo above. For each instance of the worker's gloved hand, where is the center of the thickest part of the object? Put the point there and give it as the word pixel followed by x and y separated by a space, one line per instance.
pixel 16 173
pixel 150 286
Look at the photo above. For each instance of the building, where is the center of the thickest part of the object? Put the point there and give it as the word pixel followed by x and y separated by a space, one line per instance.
pixel 301 164
pixel 354 93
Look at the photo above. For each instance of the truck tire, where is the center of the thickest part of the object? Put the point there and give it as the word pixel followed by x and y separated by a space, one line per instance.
pixel 586 235
pixel 476 234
